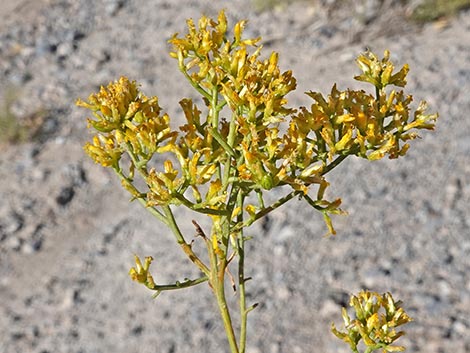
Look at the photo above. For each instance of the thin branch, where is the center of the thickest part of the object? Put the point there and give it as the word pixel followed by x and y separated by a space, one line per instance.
pixel 312 203
pixel 182 242
pixel 267 210
pixel 333 164
pixel 180 285
pixel 197 207
pixel 141 199
pixel 241 278
pixel 222 142
pixel 196 85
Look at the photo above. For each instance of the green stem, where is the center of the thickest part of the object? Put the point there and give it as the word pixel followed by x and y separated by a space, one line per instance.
pixel 215 123
pixel 224 312
pixel 140 165
pixel 214 99
pixel 198 207
pixel 153 211
pixel 217 282
pixel 266 210
pixel 259 193
pixel 275 205
pixel 333 164
pixel 193 83
pixel 222 142
pixel 141 199
pixel 228 164
pixel 313 203
pixel 182 242
pixel 172 224
pixel 179 285
pixel 241 278
pixel 241 285
pixel 168 217
pixel 218 259
pixel 286 198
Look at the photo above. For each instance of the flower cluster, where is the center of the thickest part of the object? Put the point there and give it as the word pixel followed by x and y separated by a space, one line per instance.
pixel 354 122
pixel 141 273
pixel 377 318
pixel 226 73
pixel 125 119
pixel 249 139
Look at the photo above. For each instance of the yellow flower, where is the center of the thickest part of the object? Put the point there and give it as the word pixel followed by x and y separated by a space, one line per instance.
pixel 236 146
pixel 104 150
pixel 111 104
pixel 163 185
pixel 377 316
pixel 140 273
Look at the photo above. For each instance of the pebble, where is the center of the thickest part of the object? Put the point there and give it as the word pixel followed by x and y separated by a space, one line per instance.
pixel 67 301
pixel 460 328
pixel 65 196
pixel 71 297
pixel 137 330
pixel 32 245
pixel 282 292
pixel 65 49
pixel 329 309
pixel 13 223
pixel 113 6
pixel 39 174
pixel 13 243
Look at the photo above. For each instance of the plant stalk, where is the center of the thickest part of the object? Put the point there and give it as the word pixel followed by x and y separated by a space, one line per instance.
pixel 182 242
pixel 224 312
pixel 241 276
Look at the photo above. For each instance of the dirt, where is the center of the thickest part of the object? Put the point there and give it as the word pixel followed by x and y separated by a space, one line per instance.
pixel 68 232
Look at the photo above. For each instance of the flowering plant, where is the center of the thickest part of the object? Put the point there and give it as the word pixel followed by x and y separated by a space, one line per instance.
pixel 247 141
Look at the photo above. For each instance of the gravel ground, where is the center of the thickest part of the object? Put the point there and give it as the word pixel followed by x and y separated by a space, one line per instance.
pixel 68 233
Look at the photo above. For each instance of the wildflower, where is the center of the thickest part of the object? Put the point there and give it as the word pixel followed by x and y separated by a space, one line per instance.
pixel 110 106
pixel 104 150
pixel 163 185
pixel 377 317
pixel 140 273
pixel 250 141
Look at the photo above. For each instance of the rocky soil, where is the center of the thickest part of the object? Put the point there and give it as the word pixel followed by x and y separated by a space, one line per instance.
pixel 68 232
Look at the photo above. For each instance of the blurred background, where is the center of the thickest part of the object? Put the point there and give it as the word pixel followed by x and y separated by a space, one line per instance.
pixel 68 232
